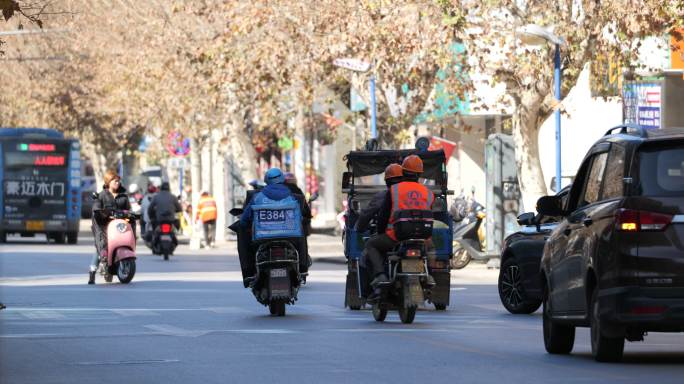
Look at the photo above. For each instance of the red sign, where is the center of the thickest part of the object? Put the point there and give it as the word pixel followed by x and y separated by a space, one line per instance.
pixel 177 145
pixel 41 147
pixel 437 143
pixel 50 161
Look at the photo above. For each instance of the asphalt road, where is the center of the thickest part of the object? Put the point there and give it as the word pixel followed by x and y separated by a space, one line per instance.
pixel 189 320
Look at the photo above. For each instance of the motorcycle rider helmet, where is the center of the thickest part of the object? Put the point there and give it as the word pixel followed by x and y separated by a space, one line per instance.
pixel 133 188
pixel 274 176
pixel 393 171
pixel 151 188
pixel 412 164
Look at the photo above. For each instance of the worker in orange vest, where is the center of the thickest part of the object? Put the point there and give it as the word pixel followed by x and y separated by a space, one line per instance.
pixel 408 194
pixel 206 212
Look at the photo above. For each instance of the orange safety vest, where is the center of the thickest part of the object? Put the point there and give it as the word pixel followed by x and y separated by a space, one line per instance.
pixel 408 195
pixel 206 209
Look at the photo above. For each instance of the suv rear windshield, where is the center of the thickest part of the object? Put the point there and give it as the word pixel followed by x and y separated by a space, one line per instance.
pixel 661 170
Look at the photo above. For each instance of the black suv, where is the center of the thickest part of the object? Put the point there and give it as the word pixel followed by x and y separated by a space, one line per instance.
pixel 615 262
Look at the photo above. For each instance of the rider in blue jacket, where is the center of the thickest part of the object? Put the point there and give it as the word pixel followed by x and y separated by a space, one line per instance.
pixel 275 190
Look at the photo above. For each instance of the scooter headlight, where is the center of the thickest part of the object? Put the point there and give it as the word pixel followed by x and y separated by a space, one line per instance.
pixel 121 227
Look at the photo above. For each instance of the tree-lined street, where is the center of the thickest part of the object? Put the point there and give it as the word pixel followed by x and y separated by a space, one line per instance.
pixel 190 320
pixel 542 137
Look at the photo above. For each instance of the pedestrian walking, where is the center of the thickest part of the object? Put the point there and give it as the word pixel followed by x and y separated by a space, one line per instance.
pixel 206 212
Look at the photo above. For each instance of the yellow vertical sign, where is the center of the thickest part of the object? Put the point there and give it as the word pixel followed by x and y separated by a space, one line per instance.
pixel 677 49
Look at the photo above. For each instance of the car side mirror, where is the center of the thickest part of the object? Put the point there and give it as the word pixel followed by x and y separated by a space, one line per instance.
pixel 550 206
pixel 526 218
pixel 236 211
pixel 346 179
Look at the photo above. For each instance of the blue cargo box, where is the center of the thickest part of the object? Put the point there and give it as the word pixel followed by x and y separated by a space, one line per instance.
pixel 442 236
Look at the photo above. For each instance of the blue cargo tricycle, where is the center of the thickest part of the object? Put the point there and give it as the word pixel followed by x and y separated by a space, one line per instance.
pixel 364 177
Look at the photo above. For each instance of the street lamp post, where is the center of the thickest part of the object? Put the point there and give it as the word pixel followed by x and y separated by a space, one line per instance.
pixel 374 129
pixel 535 35
pixel 362 66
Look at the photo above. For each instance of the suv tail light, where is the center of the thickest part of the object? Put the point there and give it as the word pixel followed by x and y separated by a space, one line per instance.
pixel 630 220
pixel 166 228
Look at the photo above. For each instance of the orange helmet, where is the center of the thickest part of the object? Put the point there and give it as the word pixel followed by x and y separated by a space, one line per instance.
pixel 393 170
pixel 412 164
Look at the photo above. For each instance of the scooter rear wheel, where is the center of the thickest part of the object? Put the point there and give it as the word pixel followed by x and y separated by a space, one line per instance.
pixel 461 259
pixel 277 308
pixel 126 271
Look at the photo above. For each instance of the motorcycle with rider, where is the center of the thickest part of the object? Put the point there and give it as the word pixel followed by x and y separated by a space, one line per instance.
pixel 271 243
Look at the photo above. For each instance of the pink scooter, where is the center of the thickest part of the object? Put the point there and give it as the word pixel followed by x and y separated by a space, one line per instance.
pixel 120 257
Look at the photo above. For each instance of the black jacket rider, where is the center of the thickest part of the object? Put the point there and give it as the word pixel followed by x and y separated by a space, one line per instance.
pixel 164 206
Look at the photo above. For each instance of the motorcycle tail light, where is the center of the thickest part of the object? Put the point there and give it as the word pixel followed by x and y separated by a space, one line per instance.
pixel 277 252
pixel 166 228
pixel 652 310
pixel 413 253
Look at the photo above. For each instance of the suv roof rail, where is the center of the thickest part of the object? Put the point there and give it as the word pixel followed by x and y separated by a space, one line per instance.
pixel 627 129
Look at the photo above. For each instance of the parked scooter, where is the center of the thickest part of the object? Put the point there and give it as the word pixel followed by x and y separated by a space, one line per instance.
pixel 119 258
pixel 163 239
pixel 467 242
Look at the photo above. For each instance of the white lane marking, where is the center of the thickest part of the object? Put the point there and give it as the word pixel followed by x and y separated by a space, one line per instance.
pixel 490 307
pixel 170 330
pixel 42 314
pixel 230 310
pixel 129 313
pixel 95 309
pixel 127 362
pixel 30 335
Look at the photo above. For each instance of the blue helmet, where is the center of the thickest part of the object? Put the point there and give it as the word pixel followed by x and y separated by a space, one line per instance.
pixel 274 176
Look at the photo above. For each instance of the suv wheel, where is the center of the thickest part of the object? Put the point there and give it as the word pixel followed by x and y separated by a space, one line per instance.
pixel 605 349
pixel 558 338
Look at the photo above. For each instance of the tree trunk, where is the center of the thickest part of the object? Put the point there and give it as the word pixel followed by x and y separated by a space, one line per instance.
pixel 100 159
pixel 242 150
pixel 195 177
pixel 526 124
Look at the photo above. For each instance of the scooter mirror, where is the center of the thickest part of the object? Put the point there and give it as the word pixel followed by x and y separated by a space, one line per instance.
pixel 236 211
pixel 526 218
pixel 94 195
pixel 313 197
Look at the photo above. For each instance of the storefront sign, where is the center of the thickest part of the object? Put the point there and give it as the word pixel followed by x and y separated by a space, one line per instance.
pixel 642 104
